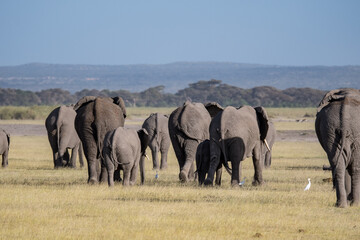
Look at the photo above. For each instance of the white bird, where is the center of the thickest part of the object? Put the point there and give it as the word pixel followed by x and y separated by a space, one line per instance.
pixel 308 186
pixel 242 182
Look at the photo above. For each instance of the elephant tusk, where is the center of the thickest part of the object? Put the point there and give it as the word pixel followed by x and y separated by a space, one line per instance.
pixel 267 145
pixel 147 156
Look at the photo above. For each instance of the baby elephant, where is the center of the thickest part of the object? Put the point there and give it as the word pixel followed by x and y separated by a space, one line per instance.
pixel 4 147
pixel 203 163
pixel 125 149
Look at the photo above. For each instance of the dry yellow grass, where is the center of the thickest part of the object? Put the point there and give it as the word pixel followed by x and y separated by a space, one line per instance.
pixel 38 202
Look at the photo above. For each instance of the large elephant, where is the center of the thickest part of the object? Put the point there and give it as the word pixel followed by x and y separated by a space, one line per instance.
pixel 237 133
pixel 4 147
pixel 125 149
pixel 188 126
pixel 267 150
pixel 62 136
pixel 95 117
pixel 159 140
pixel 337 127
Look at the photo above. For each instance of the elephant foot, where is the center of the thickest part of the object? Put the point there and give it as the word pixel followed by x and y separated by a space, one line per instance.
pixel 4 165
pixel 163 167
pixel 341 204
pixel 93 181
pixel 208 182
pixel 235 183
pixel 257 183
pixel 354 203
pixel 183 176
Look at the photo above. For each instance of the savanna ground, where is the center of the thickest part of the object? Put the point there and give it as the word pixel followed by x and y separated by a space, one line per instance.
pixel 38 202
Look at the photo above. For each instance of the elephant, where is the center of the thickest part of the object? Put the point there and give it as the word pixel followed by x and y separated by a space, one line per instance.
pixel 203 163
pixel 337 127
pixel 237 133
pixel 125 149
pixel 4 147
pixel 157 127
pixel 188 126
pixel 95 117
pixel 270 138
pixel 62 136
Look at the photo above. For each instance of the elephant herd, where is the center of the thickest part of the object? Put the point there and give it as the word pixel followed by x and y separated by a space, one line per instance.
pixel 204 136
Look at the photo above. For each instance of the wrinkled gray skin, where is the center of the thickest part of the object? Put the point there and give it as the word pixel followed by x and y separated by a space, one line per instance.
pixel 188 126
pixel 95 117
pixel 270 138
pixel 159 140
pixel 62 136
pixel 238 133
pixel 4 147
pixel 125 149
pixel 337 127
pixel 203 163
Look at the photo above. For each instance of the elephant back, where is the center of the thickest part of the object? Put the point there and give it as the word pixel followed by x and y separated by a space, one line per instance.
pixel 343 96
pixel 194 121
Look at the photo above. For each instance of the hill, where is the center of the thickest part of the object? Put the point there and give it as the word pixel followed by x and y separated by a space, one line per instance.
pixel 174 76
pixel 201 91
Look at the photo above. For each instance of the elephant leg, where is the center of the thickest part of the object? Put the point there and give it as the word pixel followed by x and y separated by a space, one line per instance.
pixel 236 155
pixel 81 157
pixel 348 185
pixel 215 153
pixel 179 152
pixel 355 180
pixel 74 152
pixel 102 173
pixel 127 174
pixel 218 176
pixel 355 188
pixel 191 174
pixel 5 159
pixel 117 176
pixel 133 174
pixel 90 149
pixel 65 159
pixel 164 153
pixel 154 153
pixel 258 180
pixel 163 164
pixel 341 197
pixel 111 169
pixel 190 153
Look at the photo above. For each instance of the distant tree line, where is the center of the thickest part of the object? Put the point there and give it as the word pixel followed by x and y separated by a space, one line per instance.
pixel 201 91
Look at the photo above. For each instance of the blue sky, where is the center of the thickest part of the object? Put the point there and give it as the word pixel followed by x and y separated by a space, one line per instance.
pixel 298 33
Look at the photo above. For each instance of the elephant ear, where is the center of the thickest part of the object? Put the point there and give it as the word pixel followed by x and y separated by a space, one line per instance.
pixel 83 101
pixel 119 101
pixel 195 121
pixel 213 108
pixel 144 139
pixel 263 122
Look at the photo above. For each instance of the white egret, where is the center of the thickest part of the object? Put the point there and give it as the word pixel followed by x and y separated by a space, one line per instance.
pixel 242 182
pixel 308 186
